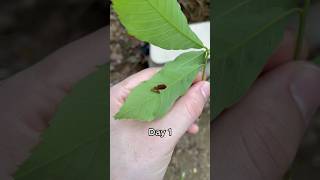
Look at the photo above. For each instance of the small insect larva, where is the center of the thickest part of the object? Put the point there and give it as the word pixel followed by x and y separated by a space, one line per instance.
pixel 158 88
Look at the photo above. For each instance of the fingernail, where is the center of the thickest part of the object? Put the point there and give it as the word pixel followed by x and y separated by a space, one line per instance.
pixel 305 89
pixel 205 89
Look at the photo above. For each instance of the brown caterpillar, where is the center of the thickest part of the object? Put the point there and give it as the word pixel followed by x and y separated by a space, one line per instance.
pixel 158 88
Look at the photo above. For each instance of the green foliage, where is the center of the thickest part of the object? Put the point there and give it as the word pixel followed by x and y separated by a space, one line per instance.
pixel 74 146
pixel 159 22
pixel 162 23
pixel 145 104
pixel 246 33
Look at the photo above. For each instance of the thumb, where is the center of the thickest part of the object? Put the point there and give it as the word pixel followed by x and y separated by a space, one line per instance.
pixel 258 137
pixel 187 109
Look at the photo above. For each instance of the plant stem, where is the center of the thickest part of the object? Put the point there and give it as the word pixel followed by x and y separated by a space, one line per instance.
pixel 205 64
pixel 302 24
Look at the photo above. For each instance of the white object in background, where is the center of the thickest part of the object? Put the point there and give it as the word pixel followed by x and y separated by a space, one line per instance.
pixel 161 56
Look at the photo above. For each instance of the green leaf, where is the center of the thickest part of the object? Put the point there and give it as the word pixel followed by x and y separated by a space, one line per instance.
pixel 74 146
pixel 245 34
pixel 159 22
pixel 316 60
pixel 146 105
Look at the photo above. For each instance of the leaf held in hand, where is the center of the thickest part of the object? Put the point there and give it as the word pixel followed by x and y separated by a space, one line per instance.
pixel 159 22
pixel 246 33
pixel 172 81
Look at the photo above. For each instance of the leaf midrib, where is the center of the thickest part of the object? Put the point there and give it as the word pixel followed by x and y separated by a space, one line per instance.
pixel 262 29
pixel 179 79
pixel 172 84
pixel 177 28
pixel 160 99
pixel 175 83
pixel 235 7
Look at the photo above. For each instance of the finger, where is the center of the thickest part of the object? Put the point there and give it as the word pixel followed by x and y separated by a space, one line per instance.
pixel 187 109
pixel 285 51
pixel 258 137
pixel 193 129
pixel 121 90
pixel 198 78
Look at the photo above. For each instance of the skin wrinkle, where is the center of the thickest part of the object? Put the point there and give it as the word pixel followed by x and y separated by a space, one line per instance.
pixel 268 133
pixel 269 153
pixel 250 156
pixel 228 150
pixel 280 148
pixel 285 152
pixel 268 149
pixel 287 92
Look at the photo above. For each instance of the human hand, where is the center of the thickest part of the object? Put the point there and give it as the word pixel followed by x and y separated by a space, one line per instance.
pixel 134 154
pixel 30 98
pixel 258 137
